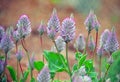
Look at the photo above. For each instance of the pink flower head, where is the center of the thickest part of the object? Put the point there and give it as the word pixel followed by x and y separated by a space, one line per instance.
pixel 23 26
pixel 6 44
pixel 19 55
pixel 112 43
pixel 91 44
pixel 44 75
pixel 53 24
pixel 68 29
pixel 41 28
pixel 91 22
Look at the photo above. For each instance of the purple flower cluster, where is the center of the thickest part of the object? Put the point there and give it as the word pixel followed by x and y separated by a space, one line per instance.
pixel 53 25
pixel 91 22
pixel 112 43
pixel 19 55
pixel 2 32
pixel 23 26
pixel 80 42
pixel 91 44
pixel 6 44
pixel 68 29
pixel 44 75
pixel 42 28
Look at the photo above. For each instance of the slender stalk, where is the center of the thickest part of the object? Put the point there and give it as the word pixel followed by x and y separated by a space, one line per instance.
pixel 27 57
pixel 100 58
pixel 59 55
pixel 5 63
pixel 21 68
pixel 17 61
pixel 41 47
pixel 96 40
pixel 68 61
pixel 84 52
pixel 106 73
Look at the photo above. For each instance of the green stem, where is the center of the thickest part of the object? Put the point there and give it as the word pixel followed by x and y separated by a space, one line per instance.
pixel 106 73
pixel 41 48
pixel 59 55
pixel 68 61
pixel 27 53
pixel 21 69
pixel 84 52
pixel 17 61
pixel 100 66
pixel 5 63
pixel 94 53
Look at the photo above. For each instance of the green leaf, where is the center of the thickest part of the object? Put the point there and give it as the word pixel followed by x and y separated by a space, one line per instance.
pixel 81 61
pixel 38 65
pixel 2 57
pixel 57 81
pixel 52 75
pixel 116 54
pixel 74 68
pixel 78 55
pixel 25 75
pixel 54 61
pixel 89 65
pixel 12 72
pixel 32 79
pixel 92 74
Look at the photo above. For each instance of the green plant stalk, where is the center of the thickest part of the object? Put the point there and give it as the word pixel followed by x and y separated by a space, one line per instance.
pixel 84 52
pixel 106 73
pixel 27 57
pixel 17 61
pixel 21 68
pixel 100 58
pixel 5 63
pixel 41 47
pixel 70 74
pixel 94 53
pixel 58 52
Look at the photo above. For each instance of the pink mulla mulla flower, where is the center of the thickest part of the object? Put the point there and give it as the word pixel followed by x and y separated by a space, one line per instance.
pixel 53 25
pixel 89 21
pixel 6 44
pixel 19 55
pixel 24 26
pixel 80 42
pixel 112 43
pixel 2 32
pixel 104 36
pixel 16 36
pixel 100 51
pixel 44 75
pixel 41 29
pixel 96 24
pixel 68 29
pixel 91 44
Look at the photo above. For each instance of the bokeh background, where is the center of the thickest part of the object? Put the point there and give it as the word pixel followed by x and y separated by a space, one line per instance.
pixel 107 11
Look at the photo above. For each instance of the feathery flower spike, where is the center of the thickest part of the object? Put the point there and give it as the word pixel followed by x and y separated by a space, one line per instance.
pixel 53 25
pixel 23 26
pixel 68 29
pixel 112 43
pixel 80 42
pixel 44 75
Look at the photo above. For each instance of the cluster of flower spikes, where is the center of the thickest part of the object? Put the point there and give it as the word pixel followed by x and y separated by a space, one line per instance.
pixel 67 31
pixel 91 22
pixel 23 28
pixel 6 43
